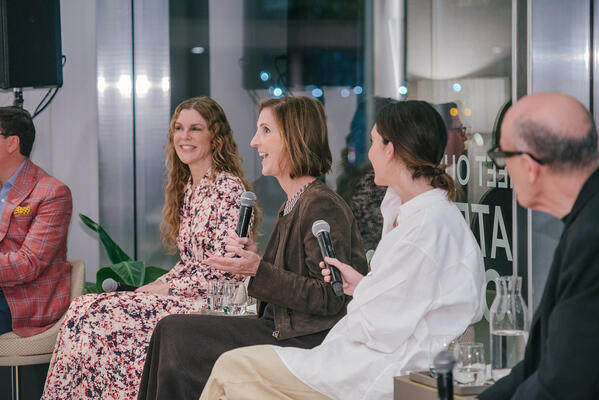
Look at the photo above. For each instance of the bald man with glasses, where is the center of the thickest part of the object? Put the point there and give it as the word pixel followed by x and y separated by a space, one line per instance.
pixel 549 145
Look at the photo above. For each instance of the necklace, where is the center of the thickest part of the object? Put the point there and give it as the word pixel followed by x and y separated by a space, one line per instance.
pixel 289 204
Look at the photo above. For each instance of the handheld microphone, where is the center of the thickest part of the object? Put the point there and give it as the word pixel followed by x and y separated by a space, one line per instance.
pixel 322 231
pixel 444 362
pixel 248 199
pixel 110 285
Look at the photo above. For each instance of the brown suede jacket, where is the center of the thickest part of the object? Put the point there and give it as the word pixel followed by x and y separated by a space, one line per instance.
pixel 289 278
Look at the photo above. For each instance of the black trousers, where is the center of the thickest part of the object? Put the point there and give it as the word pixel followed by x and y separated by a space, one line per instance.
pixel 184 348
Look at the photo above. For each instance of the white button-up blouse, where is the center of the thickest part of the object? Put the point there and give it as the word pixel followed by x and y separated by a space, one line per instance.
pixel 427 279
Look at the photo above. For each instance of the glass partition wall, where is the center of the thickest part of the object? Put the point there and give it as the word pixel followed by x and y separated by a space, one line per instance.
pixel 459 57
pixel 353 56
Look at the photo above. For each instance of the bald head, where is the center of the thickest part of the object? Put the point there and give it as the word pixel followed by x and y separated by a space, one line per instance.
pixel 557 129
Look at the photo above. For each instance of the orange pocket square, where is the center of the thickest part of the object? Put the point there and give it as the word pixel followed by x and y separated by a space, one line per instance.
pixel 22 210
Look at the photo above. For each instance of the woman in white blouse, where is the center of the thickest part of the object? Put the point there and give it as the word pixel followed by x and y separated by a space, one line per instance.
pixel 427 279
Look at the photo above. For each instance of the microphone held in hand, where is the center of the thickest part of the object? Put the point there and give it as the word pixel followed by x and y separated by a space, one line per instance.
pixel 248 199
pixel 110 285
pixel 322 231
pixel 444 362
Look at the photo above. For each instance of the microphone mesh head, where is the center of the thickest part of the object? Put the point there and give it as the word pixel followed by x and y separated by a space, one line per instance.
pixel 444 362
pixel 109 285
pixel 248 199
pixel 320 226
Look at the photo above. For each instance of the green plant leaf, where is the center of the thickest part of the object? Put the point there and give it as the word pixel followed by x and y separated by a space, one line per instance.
pixel 103 274
pixel 114 252
pixel 90 287
pixel 153 273
pixel 90 223
pixel 130 273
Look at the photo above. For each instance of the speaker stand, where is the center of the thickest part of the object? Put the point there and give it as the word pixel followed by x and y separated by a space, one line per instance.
pixel 18 101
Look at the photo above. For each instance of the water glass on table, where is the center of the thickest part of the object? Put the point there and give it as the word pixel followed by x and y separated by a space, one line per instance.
pixel 470 367
pixel 216 295
pixel 235 298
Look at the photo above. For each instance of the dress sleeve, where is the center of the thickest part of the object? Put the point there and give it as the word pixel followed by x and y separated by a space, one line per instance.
pixel 220 216
pixel 308 292
pixel 45 237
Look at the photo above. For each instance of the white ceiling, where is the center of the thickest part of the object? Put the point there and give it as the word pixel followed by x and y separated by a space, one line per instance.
pixel 450 39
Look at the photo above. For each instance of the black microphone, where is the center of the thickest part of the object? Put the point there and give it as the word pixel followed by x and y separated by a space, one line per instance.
pixel 110 285
pixel 444 362
pixel 248 199
pixel 322 230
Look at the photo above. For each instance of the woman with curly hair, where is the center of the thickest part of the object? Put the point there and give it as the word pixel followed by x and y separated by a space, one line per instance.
pixel 101 348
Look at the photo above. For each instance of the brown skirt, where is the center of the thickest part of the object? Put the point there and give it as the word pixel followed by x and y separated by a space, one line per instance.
pixel 184 348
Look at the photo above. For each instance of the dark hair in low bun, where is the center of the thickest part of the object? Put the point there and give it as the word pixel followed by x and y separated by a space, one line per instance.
pixel 419 137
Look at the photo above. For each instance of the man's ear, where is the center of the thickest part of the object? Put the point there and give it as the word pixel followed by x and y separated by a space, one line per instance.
pixel 14 144
pixel 533 168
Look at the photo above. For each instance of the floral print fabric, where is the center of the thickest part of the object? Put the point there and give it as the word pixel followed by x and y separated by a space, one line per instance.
pixel 101 347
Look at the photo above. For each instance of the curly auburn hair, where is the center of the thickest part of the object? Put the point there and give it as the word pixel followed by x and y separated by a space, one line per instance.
pixel 224 159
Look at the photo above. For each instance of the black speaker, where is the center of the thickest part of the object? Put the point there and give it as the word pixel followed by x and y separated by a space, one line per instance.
pixel 30 45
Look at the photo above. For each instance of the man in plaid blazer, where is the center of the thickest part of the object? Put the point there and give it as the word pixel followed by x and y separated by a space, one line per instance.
pixel 35 211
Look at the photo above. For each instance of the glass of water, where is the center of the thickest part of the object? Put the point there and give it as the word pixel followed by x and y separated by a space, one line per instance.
pixel 235 298
pixel 470 367
pixel 216 295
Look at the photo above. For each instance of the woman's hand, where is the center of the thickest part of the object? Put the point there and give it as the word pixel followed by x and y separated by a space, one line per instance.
pixel 241 258
pixel 154 288
pixel 350 276
pixel 246 243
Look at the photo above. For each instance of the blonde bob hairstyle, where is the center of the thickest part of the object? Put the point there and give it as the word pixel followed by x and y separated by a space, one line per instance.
pixel 303 127
pixel 224 159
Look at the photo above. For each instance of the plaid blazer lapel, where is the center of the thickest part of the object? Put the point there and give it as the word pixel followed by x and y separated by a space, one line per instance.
pixel 23 186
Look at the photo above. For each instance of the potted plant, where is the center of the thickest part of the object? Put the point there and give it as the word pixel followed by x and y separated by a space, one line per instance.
pixel 124 269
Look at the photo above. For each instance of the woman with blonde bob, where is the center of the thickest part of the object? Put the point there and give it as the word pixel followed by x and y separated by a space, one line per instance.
pixel 103 340
pixel 296 306
pixel 427 278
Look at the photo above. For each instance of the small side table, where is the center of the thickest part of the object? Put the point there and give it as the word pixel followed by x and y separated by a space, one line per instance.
pixel 405 389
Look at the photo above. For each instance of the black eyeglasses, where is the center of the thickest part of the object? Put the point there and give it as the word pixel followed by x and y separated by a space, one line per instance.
pixel 499 156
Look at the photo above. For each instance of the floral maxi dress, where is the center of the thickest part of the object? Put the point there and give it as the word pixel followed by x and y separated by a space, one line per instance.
pixel 101 347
